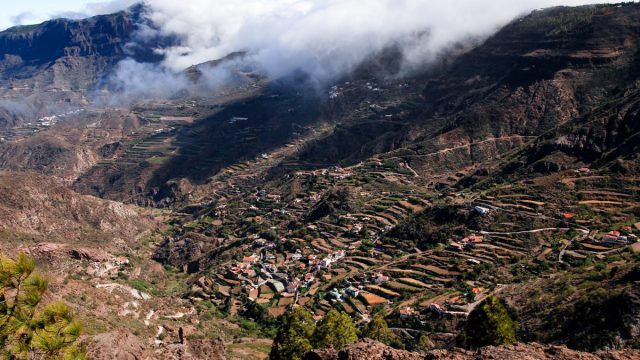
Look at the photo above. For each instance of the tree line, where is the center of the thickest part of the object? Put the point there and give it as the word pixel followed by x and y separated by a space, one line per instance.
pixel 298 333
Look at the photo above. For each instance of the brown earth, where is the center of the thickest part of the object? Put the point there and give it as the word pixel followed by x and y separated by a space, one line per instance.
pixel 372 350
pixel 35 208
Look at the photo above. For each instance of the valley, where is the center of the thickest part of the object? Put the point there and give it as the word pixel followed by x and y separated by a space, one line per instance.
pixel 190 226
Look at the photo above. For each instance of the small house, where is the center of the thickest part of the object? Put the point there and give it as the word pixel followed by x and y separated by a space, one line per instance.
pixel 276 286
pixel 293 286
pixel 380 278
pixel 253 259
pixel 353 291
pixel 481 210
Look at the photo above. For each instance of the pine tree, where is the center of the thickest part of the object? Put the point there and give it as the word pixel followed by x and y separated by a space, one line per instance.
pixel 424 343
pixel 377 329
pixel 25 331
pixel 489 324
pixel 335 330
pixel 292 340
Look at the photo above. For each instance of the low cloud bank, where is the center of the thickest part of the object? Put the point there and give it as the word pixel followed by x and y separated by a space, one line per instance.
pixel 323 38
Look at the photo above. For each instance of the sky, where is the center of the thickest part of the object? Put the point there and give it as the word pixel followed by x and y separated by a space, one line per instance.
pixel 23 12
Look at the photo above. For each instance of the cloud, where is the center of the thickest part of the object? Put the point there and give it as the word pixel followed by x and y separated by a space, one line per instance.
pixel 94 8
pixel 108 7
pixel 324 38
pixel 133 81
pixel 21 18
pixel 324 35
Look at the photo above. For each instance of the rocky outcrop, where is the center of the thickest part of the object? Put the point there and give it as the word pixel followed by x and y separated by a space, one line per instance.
pixel 185 251
pixel 372 350
pixel 123 345
pixel 117 345
pixel 365 349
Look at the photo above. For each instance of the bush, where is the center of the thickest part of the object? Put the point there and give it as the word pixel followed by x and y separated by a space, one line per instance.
pixel 377 329
pixel 335 330
pixel 488 324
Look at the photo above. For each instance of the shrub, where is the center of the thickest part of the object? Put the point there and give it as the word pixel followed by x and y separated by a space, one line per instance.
pixel 488 324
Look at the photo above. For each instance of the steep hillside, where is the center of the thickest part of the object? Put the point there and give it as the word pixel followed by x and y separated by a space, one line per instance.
pixel 510 163
pixel 508 168
pixel 466 112
pixel 34 209
pixel 539 72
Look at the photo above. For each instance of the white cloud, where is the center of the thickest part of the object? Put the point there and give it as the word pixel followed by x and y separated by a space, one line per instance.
pixel 325 38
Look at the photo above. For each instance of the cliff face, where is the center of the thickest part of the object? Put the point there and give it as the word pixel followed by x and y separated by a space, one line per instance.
pixel 33 48
pixel 372 350
pixel 57 48
pixel 57 64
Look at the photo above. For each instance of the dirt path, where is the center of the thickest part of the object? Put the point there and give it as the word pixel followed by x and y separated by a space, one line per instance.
pixel 526 231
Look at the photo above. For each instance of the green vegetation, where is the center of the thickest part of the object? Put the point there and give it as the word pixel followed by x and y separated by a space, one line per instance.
pixel 377 329
pixel 489 324
pixel 335 330
pixel 292 340
pixel 26 330
pixel 298 334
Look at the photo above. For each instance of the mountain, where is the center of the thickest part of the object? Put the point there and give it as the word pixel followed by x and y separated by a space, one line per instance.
pixel 510 168
pixel 59 63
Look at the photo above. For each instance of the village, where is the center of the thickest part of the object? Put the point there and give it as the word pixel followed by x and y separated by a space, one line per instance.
pixel 346 259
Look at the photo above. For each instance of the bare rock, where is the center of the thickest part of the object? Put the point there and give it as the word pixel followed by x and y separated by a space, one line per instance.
pixel 373 350
pixel 117 345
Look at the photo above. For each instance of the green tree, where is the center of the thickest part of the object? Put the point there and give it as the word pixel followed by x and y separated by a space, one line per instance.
pixel 424 343
pixel 335 330
pixel 489 324
pixel 26 331
pixel 377 329
pixel 292 340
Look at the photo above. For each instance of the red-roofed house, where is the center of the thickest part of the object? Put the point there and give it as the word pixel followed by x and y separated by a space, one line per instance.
pixel 474 238
pixel 250 259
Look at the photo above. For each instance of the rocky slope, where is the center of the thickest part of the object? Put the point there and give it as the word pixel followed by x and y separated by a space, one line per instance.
pixel 34 208
pixel 467 112
pixel 368 349
pixel 498 171
pixel 123 345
